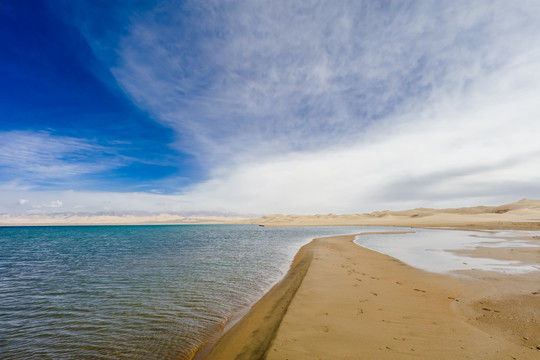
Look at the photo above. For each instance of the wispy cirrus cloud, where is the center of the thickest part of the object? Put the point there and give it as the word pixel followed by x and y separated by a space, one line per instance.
pixel 272 95
pixel 30 157
pixel 259 77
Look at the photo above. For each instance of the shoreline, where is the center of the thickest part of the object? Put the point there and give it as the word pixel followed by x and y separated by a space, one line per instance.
pixel 340 300
pixel 251 335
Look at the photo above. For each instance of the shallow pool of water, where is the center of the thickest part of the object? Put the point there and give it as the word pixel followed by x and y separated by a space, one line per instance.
pixel 432 249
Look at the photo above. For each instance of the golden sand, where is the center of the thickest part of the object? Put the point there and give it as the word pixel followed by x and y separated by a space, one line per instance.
pixel 342 301
pixel 524 215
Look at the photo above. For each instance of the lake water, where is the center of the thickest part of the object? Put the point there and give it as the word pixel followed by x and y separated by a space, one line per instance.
pixel 432 249
pixel 134 292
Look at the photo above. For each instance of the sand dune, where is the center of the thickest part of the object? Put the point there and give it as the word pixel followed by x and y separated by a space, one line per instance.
pixel 524 214
pixel 521 214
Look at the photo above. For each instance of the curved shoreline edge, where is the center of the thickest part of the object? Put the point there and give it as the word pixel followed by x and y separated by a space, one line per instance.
pixel 252 335
pixel 340 300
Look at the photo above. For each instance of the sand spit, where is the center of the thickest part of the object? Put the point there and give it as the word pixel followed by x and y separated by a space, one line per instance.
pixel 253 335
pixel 342 301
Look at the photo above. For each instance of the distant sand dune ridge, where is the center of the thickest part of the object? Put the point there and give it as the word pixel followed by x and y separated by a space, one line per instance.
pixel 524 214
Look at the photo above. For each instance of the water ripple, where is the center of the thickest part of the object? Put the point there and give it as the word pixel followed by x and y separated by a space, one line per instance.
pixel 133 292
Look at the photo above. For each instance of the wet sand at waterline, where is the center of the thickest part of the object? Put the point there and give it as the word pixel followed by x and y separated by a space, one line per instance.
pixel 343 301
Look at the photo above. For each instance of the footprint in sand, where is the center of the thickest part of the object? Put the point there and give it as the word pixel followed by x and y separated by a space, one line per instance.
pixel 488 309
pixel 325 329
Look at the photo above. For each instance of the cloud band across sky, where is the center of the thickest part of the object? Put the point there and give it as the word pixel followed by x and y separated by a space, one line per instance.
pixel 322 106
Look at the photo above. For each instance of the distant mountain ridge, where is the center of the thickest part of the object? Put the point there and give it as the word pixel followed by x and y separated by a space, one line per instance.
pixel 523 214
pixel 520 212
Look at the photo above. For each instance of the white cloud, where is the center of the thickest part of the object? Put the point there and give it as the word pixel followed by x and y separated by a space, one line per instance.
pixel 325 106
pixel 284 76
pixel 29 157
pixel 52 204
pixel 318 107
pixel 76 201
pixel 22 201
pixel 478 148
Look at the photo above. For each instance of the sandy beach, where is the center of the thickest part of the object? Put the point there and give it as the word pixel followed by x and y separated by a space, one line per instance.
pixel 343 301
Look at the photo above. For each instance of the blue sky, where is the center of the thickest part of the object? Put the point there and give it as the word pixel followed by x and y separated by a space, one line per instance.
pixel 62 109
pixel 252 107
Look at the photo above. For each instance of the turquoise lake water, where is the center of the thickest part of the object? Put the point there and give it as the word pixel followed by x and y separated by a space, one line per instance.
pixel 134 292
